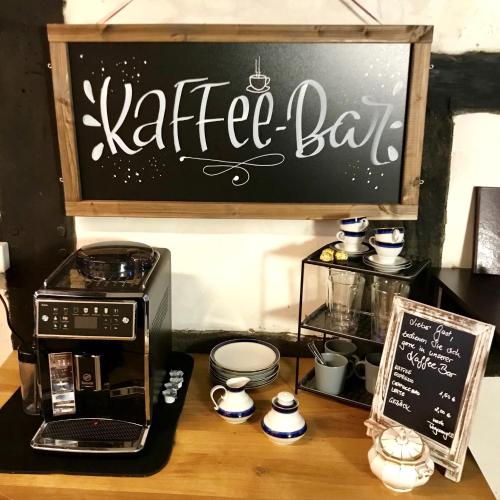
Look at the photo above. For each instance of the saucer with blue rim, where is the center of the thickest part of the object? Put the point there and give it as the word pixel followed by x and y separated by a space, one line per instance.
pixel 398 264
pixel 339 245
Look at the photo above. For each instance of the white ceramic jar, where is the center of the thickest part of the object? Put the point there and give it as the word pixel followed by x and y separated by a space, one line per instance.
pixel 400 459
pixel 283 424
pixel 235 405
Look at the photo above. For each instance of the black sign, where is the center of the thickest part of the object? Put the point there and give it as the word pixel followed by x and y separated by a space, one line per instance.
pixel 240 122
pixel 428 377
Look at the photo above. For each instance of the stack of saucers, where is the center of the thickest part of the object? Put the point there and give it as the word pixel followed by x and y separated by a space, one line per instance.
pixel 255 359
pixel 398 264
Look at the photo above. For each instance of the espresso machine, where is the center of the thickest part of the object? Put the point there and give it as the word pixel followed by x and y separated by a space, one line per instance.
pixel 103 338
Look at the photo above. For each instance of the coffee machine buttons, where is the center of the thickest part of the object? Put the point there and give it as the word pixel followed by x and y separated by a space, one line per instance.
pixel 87 319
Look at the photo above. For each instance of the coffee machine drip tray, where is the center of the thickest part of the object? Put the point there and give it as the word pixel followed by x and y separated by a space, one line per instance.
pixel 100 435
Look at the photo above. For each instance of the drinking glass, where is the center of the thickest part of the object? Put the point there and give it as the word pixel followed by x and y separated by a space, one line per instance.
pixel 383 293
pixel 344 294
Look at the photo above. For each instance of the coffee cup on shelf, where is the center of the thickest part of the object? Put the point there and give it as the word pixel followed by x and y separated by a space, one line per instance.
pixel 371 365
pixel 352 240
pixel 344 347
pixel 389 234
pixel 330 377
pixel 387 252
pixel 354 224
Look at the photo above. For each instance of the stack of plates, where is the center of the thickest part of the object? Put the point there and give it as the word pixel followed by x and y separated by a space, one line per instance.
pixel 399 263
pixel 255 359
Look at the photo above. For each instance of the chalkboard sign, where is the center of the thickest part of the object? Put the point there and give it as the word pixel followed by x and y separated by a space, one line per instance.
pixel 430 372
pixel 279 121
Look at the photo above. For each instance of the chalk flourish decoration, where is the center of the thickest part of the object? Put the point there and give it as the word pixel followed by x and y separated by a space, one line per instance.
pixel 223 166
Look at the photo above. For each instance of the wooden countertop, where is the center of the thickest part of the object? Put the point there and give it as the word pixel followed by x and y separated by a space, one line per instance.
pixel 213 459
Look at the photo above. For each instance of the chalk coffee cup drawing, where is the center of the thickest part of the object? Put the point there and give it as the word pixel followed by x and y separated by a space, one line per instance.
pixel 390 234
pixel 330 378
pixel 352 240
pixel 355 224
pixel 258 82
pixel 387 252
pixel 371 366
pixel 344 347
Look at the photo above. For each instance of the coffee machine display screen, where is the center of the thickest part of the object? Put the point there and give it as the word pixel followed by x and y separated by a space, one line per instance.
pixel 86 322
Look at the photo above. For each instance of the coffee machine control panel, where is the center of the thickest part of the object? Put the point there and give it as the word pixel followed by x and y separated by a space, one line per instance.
pixel 86 319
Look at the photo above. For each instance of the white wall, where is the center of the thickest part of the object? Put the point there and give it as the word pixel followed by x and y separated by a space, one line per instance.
pixel 244 274
pixel 460 25
pixel 474 162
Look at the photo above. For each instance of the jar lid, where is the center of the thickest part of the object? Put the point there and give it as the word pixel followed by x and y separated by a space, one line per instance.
pixel 285 398
pixel 284 402
pixel 401 443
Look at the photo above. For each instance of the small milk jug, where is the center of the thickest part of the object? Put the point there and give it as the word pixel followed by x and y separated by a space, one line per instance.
pixel 235 405
pixel 283 424
pixel 400 459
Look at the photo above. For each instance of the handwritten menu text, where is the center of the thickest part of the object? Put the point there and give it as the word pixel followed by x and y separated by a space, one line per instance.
pixel 428 377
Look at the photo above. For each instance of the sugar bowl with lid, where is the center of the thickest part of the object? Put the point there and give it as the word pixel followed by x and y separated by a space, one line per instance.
pixel 283 424
pixel 400 459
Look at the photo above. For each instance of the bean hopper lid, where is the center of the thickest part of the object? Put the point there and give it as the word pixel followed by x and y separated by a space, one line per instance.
pixel 401 444
pixel 114 260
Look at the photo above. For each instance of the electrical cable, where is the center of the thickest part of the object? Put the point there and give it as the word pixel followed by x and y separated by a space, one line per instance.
pixel 9 323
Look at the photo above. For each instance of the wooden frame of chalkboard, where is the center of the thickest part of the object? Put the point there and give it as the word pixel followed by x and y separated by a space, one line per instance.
pixel 429 377
pixel 419 37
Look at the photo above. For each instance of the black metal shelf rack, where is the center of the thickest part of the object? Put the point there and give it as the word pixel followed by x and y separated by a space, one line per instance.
pixel 354 391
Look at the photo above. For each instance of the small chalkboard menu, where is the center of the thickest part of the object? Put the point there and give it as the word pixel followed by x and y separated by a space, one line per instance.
pixel 291 121
pixel 429 377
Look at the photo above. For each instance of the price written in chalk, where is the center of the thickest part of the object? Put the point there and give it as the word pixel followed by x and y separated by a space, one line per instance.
pixel 445 395
pixel 440 411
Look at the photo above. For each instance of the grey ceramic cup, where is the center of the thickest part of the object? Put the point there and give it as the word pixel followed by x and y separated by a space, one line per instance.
pixel 371 364
pixel 345 347
pixel 330 377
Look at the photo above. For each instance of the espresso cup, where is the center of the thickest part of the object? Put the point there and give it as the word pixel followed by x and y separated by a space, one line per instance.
pixel 344 347
pixel 390 234
pixel 330 378
pixel 259 81
pixel 387 252
pixel 352 240
pixel 371 366
pixel 354 224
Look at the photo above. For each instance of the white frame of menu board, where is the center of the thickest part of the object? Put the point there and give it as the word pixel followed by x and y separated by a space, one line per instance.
pixel 451 457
